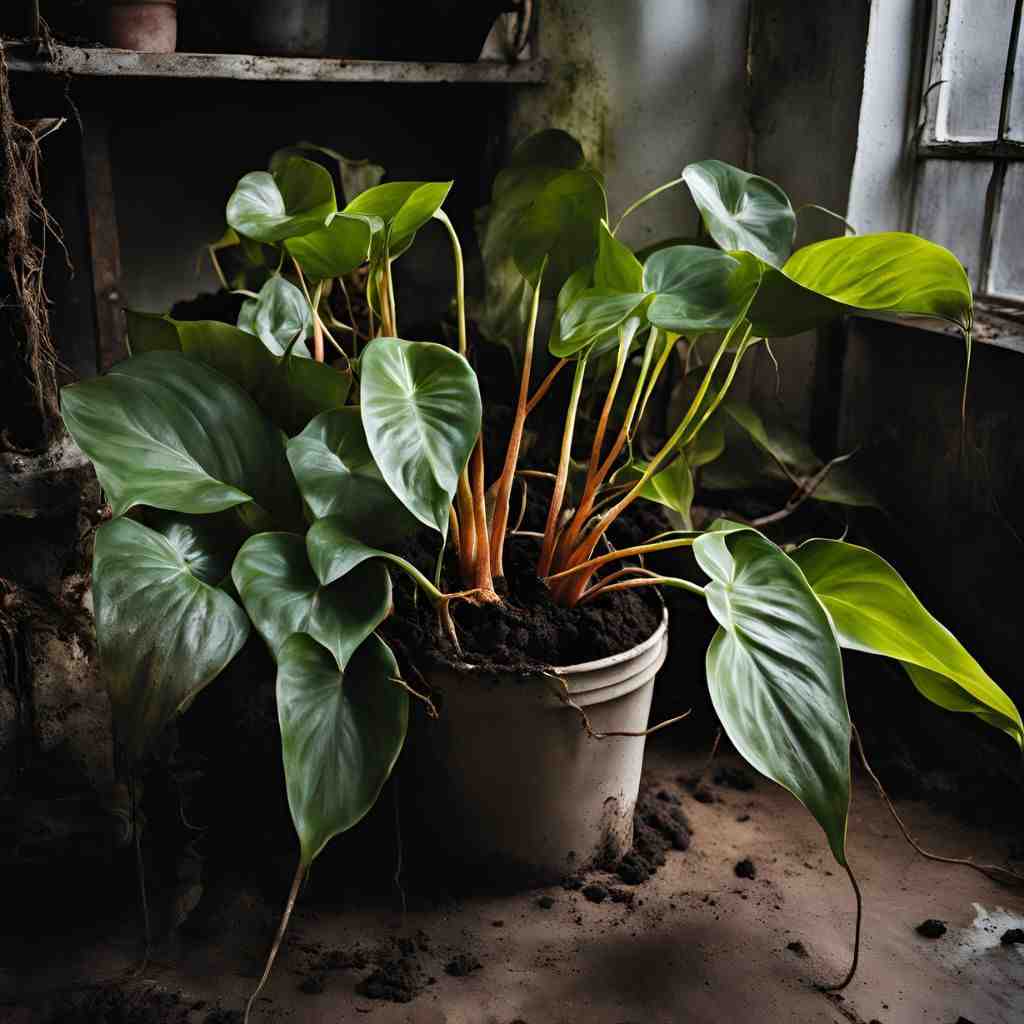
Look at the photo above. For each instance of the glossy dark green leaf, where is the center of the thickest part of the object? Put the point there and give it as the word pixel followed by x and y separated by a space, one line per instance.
pixel 334 250
pixel 280 315
pixel 170 432
pixel 776 674
pixel 206 544
pixel 616 268
pixel 163 633
pixel 341 733
pixel 334 551
pixel 290 391
pixel 150 332
pixel 282 595
pixel 338 477
pixel 403 206
pixel 295 199
pixel 559 227
pixel 697 289
pixel 875 611
pixel 742 211
pixel 420 406
pixel 891 272
pixel 357 174
pixel 594 313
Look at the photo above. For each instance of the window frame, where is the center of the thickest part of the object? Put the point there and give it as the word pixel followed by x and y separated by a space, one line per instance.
pixel 1001 151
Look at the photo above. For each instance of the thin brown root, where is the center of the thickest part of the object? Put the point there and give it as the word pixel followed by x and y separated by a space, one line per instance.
pixel 431 709
pixel 300 872
pixel 702 778
pixel 993 871
pixel 475 595
pixel 856 938
pixel 595 734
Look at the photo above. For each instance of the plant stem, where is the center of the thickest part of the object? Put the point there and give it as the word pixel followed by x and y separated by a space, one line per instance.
pixel 545 385
pixel 653 581
pixel 499 520
pixel 643 199
pixel 318 327
pixel 856 935
pixel 460 278
pixel 640 549
pixel 300 872
pixel 483 579
pixel 392 305
pixel 670 342
pixel 555 508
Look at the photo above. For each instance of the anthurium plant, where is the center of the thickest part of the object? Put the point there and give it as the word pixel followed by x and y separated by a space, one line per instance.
pixel 254 485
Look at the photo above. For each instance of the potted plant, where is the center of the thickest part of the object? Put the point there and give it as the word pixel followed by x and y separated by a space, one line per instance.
pixel 252 485
pixel 148 25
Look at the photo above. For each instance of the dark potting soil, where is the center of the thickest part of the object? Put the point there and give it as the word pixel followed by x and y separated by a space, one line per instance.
pixel 932 928
pixel 527 632
pixel 114 1005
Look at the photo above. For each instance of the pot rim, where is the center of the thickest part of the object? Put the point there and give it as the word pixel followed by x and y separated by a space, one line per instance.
pixel 617 659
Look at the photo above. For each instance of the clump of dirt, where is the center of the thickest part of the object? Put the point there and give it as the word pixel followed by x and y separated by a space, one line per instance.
pixel 462 965
pixel 399 980
pixel 525 634
pixel 112 1005
pixel 595 892
pixel 658 826
pixel 734 777
pixel 1012 936
pixel 932 928
pixel 797 948
pixel 545 902
pixel 746 869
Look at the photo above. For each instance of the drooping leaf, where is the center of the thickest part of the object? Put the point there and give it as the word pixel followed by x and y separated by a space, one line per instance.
pixel 575 285
pixel 282 595
pixel 742 211
pixel 671 486
pixel 420 406
pixel 616 269
pixel 594 313
pixel 776 675
pixel 889 272
pixel 697 289
pixel 875 611
pixel 334 551
pixel 163 633
pixel 341 733
pixel 357 174
pixel 295 199
pixel 336 249
pixel 338 477
pixel 170 432
pixel 280 314
pixel 403 206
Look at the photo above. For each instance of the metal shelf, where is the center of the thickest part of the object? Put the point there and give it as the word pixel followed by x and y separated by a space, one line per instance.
pixel 110 63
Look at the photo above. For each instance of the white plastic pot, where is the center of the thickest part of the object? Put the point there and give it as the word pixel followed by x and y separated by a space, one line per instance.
pixel 508 779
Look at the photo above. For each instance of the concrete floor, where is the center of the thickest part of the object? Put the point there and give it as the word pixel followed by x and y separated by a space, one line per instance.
pixel 699 946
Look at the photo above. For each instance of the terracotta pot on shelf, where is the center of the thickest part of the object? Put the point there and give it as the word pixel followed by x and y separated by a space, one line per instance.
pixel 507 779
pixel 146 25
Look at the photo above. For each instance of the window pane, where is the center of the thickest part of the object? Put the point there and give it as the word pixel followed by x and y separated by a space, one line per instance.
pixel 1006 275
pixel 1016 129
pixel 973 65
pixel 951 207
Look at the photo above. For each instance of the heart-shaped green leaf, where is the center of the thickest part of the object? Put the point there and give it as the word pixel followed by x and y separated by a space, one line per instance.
pixel 290 391
pixel 776 674
pixel 403 206
pixel 279 315
pixel 889 272
pixel 559 227
pixel 616 269
pixel 742 211
pixel 170 432
pixel 334 552
pixel 150 332
pixel 295 199
pixel 357 174
pixel 282 595
pixel 671 486
pixel 698 289
pixel 341 733
pixel 163 633
pixel 875 611
pixel 420 406
pixel 338 477
pixel 206 544
pixel 336 249
pixel 595 312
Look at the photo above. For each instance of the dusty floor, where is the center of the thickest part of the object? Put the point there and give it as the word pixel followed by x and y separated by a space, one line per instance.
pixel 699 944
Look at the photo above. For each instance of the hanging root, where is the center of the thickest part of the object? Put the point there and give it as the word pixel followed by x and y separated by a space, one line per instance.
pixel 431 709
pixel 300 872
pixel 594 734
pixel 856 936
pixel 476 595
pixel 1002 875
pixel 25 225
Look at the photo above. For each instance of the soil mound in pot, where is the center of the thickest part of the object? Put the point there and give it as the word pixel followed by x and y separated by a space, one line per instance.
pixel 527 632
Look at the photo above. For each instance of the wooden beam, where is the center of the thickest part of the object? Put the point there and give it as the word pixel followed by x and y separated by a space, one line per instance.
pixel 103 241
pixel 110 63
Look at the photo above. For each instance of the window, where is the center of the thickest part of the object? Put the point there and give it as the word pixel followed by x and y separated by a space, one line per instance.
pixel 969 178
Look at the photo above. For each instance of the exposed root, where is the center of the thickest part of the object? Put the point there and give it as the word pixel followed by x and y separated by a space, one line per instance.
pixel 431 709
pixel 595 734
pixel 993 871
pixel 300 873
pixel 856 937
pixel 476 595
